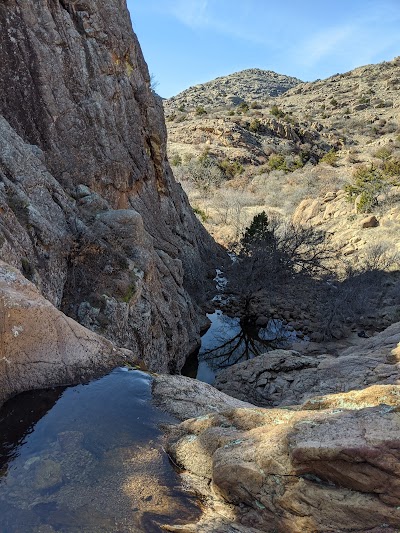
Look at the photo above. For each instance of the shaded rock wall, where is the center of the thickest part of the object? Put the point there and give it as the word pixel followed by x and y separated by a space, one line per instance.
pixel 40 346
pixel 286 377
pixel 89 209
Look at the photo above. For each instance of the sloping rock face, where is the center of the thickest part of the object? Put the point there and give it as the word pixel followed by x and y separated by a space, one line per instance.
pixel 40 346
pixel 299 471
pixel 188 398
pixel 89 209
pixel 286 377
pixel 328 465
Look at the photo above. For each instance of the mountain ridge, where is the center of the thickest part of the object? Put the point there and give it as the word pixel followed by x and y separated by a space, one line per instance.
pixel 236 86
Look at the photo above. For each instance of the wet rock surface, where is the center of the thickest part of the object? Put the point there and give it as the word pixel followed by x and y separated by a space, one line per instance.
pixel 94 462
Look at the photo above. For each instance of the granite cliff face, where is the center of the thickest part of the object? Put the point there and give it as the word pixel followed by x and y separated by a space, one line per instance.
pixel 89 209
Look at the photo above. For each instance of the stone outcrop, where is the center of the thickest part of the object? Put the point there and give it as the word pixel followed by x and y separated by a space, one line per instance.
pixel 89 209
pixel 299 471
pixel 328 465
pixel 323 457
pixel 285 377
pixel 40 346
pixel 188 398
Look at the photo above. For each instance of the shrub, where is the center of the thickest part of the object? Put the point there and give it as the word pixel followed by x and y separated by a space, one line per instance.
pixel 204 156
pixel 391 168
pixel 203 173
pixel 368 184
pixel 276 112
pixel 255 125
pixel 176 160
pixel 383 153
pixel 202 215
pixel 330 158
pixel 230 168
pixel 243 107
pixel 200 111
pixel 255 105
pixel 363 100
pixel 277 162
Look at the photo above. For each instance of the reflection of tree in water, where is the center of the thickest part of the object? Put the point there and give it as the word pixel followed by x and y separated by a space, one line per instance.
pixel 236 341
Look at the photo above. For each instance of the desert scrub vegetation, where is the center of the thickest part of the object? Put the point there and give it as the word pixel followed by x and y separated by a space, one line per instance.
pixel 255 125
pixel 200 111
pixel 286 164
pixel 277 112
pixel 230 168
pixel 243 107
pixel 371 184
pixel 276 257
pixel 367 184
pixel 203 173
pixel 175 159
pixel 330 158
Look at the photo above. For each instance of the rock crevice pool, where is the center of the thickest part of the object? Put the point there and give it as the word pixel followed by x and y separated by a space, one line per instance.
pixel 89 459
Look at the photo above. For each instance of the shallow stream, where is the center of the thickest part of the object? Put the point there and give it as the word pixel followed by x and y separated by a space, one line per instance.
pixel 229 341
pixel 88 459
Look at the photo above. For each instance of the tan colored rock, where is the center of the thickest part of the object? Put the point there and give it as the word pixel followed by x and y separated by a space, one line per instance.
pixel 40 346
pixel 307 210
pixel 300 471
pixel 357 399
pixel 329 196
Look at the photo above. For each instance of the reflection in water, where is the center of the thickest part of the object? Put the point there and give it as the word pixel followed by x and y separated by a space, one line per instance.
pixel 18 419
pixel 88 459
pixel 230 340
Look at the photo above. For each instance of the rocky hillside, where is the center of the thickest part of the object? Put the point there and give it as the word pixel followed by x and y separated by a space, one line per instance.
pixel 89 209
pixel 278 151
pixel 341 112
pixel 324 155
pixel 250 84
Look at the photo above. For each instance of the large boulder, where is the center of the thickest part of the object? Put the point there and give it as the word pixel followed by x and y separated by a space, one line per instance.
pixel 299 471
pixel 188 398
pixel 40 346
pixel 286 377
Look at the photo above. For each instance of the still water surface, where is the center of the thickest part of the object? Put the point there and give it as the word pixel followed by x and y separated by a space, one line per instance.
pixel 230 340
pixel 88 459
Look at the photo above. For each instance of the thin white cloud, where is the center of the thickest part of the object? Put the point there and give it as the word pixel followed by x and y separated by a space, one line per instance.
pixel 204 14
pixel 192 13
pixel 323 44
pixel 360 42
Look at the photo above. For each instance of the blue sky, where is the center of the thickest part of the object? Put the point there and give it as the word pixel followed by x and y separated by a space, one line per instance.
pixel 186 42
